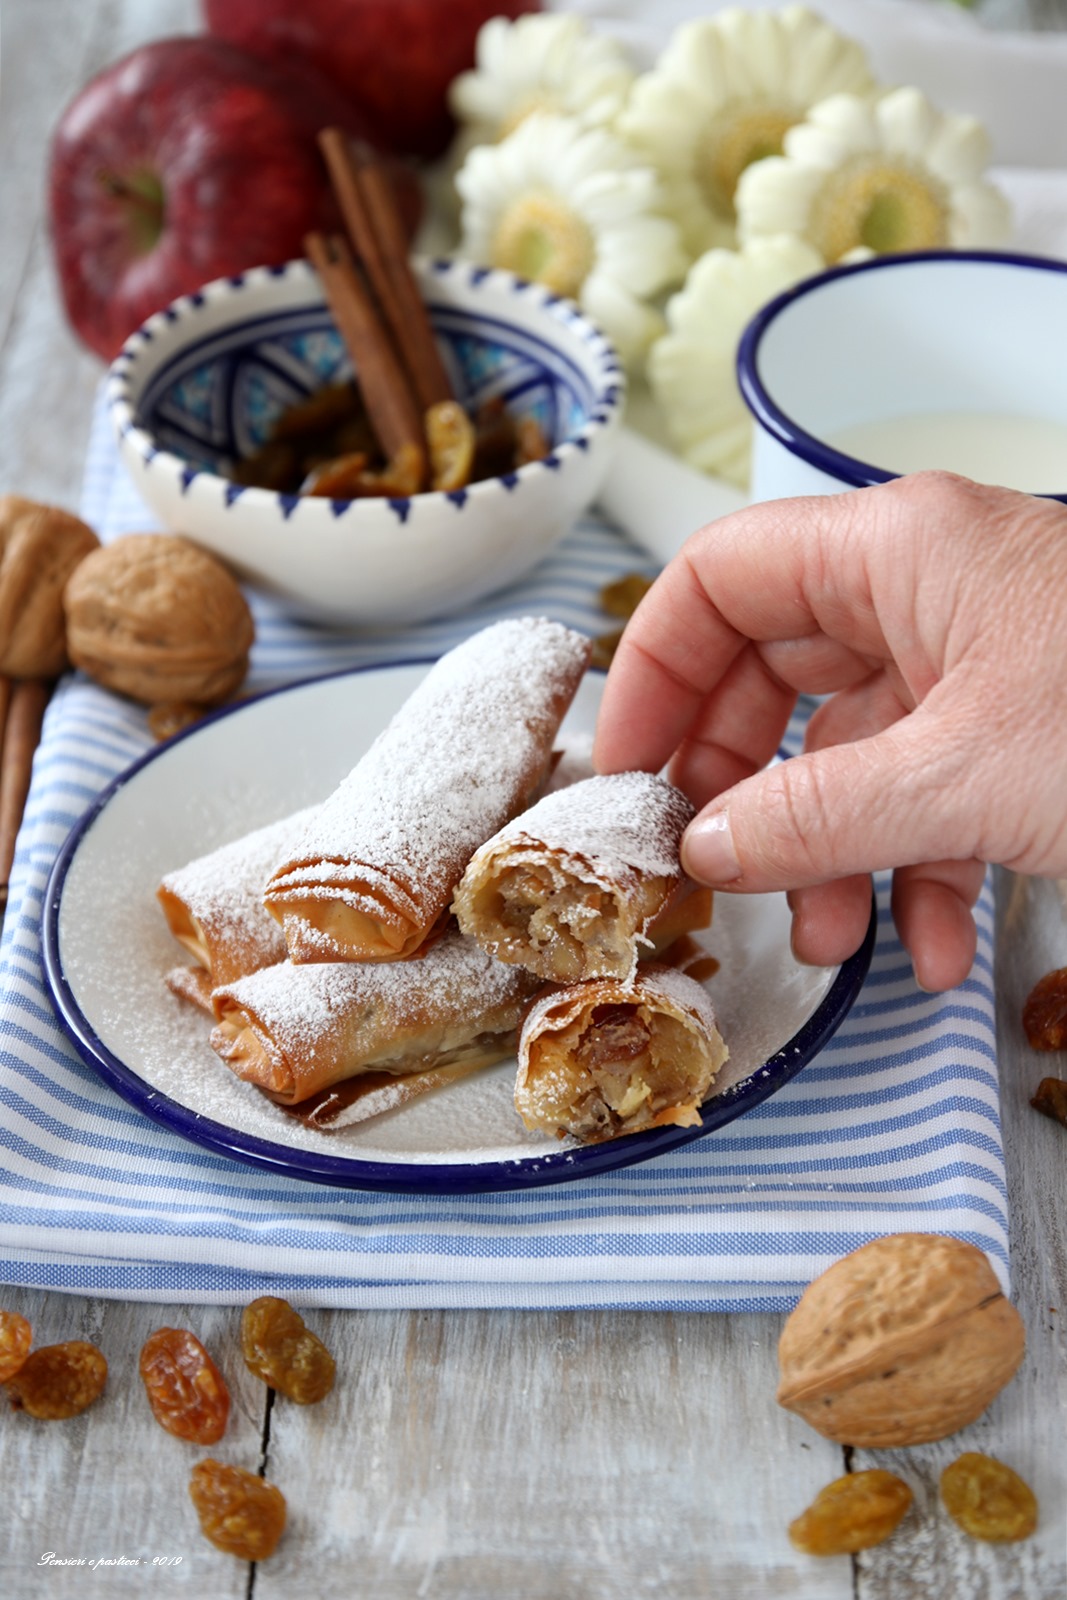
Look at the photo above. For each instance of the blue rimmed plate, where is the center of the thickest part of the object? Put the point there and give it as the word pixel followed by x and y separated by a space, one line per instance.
pixel 107 950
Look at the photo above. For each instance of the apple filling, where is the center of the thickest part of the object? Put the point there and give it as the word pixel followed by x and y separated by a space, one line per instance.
pixel 554 924
pixel 618 1068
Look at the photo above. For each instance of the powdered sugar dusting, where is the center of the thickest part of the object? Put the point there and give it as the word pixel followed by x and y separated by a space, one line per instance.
pixel 618 824
pixel 456 760
pixel 307 1007
pixel 575 761
pixel 223 891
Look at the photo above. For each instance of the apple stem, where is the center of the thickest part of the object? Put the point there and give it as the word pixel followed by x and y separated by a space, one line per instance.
pixel 143 194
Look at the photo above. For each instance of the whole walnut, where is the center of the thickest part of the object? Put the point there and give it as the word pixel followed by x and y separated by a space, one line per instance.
pixel 905 1340
pixel 40 546
pixel 157 618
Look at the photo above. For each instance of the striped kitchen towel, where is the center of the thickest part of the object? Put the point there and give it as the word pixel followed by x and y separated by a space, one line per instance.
pixel 894 1126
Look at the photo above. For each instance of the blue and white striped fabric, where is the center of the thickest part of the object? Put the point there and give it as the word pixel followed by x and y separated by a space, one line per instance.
pixel 893 1127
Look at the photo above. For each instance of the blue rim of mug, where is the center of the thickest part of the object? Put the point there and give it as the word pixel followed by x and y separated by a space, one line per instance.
pixel 769 415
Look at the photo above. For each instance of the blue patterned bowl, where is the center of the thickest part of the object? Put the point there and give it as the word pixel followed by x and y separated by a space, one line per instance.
pixel 202 383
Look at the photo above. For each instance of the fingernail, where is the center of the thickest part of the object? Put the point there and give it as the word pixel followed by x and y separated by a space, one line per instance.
pixel 708 852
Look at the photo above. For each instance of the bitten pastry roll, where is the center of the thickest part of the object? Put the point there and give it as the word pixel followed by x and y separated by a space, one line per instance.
pixel 572 887
pixel 372 875
pixel 604 1058
pixel 294 1030
pixel 214 907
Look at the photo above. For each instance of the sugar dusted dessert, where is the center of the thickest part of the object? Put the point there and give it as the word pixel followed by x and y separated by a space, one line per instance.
pixel 573 886
pixel 605 1057
pixel 295 1030
pixel 370 877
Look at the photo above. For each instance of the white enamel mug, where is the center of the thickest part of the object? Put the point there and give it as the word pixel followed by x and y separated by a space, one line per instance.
pixel 946 359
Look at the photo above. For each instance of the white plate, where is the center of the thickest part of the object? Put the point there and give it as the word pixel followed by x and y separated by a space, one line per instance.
pixel 107 948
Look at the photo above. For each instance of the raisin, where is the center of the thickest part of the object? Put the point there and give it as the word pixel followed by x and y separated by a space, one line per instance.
pixel 1050 1098
pixel 988 1499
pixel 15 1337
pixel 622 597
pixel 1045 1012
pixel 238 1512
pixel 59 1380
pixel 278 1348
pixel 185 1388
pixel 852 1513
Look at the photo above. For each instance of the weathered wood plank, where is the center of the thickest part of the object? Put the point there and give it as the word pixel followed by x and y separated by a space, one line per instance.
pixel 1026 1426
pixel 111 1484
pixel 544 1455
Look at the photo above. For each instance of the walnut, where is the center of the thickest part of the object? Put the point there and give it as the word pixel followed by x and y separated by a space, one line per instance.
pixel 903 1341
pixel 39 548
pixel 157 618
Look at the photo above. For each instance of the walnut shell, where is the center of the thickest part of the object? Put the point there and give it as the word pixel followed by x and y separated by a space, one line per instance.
pixel 157 618
pixel 39 548
pixel 903 1341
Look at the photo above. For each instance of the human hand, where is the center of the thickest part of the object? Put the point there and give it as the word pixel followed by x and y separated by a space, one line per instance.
pixel 930 610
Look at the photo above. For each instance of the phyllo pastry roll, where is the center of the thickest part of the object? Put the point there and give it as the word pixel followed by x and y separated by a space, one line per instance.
pixel 604 1058
pixel 294 1030
pixel 572 887
pixel 372 874
pixel 214 905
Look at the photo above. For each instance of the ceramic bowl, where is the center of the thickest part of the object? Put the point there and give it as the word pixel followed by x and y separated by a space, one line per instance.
pixel 203 381
pixel 948 359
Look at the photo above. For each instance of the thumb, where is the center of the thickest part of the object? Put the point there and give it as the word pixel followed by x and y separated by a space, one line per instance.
pixel 895 799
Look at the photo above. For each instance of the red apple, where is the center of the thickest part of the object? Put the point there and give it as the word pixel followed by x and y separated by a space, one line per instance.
pixel 185 161
pixel 396 58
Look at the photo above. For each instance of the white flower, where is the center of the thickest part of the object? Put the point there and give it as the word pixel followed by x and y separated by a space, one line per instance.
pixel 573 208
pixel 538 62
pixel 861 178
pixel 692 369
pixel 722 97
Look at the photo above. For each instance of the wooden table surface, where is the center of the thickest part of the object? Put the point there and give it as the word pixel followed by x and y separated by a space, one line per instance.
pixel 482 1456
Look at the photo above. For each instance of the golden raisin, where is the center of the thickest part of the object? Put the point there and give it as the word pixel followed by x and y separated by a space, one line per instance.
pixel 1050 1098
pixel 238 1512
pixel 172 716
pixel 1045 1012
pixel 281 1350
pixel 185 1388
pixel 852 1513
pixel 15 1337
pixel 988 1499
pixel 604 648
pixel 622 597
pixel 450 436
pixel 59 1380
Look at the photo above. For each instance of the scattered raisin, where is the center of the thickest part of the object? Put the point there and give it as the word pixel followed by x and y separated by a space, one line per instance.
pixel 604 648
pixel 172 716
pixel 15 1337
pixel 852 1513
pixel 1050 1098
pixel 988 1499
pixel 239 1513
pixel 278 1348
pixel 59 1380
pixel 1045 1012
pixel 622 597
pixel 185 1388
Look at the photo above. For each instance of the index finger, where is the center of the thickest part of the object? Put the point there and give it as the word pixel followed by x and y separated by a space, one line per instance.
pixel 748 576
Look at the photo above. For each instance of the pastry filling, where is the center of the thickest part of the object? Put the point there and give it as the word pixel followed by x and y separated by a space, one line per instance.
pixel 617 1069
pixel 558 921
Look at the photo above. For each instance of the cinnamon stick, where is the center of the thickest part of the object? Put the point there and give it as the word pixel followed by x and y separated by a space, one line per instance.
pixel 24 708
pixel 382 378
pixel 368 205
